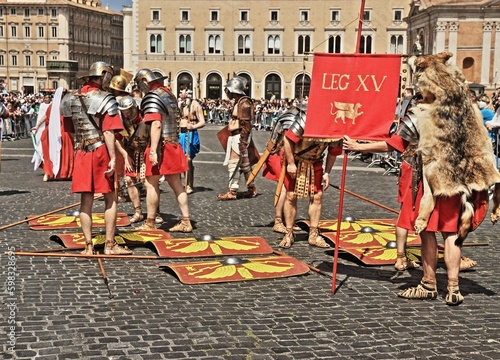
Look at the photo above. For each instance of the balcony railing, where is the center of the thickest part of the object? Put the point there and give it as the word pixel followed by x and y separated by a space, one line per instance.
pixel 222 57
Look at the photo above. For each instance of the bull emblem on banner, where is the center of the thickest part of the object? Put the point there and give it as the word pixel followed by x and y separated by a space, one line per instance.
pixel 345 110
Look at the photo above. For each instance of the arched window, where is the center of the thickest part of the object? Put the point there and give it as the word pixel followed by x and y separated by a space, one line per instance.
pixel 396 44
pixel 273 44
pixel 365 46
pixel 468 67
pixel 155 43
pixel 248 86
pixel 184 82
pixel 185 44
pixel 302 86
pixel 273 86
pixel 244 44
pixel 214 44
pixel 304 44
pixel 214 86
pixel 334 44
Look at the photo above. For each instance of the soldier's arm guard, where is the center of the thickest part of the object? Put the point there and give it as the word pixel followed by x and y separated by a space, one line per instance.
pixel 245 116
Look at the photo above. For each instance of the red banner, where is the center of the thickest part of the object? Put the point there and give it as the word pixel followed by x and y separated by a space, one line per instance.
pixel 354 95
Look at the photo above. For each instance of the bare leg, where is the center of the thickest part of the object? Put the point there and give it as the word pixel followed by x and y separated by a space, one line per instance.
pixel 110 210
pixel 314 211
pixel 133 193
pixel 427 287
pixel 175 183
pixel 152 195
pixel 290 211
pixel 87 200
pixel 402 261
pixel 278 212
pixel 452 257
pixel 184 225
pixel 429 255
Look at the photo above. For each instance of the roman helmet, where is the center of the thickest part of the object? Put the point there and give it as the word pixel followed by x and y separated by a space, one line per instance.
pixel 120 82
pixel 236 86
pixel 100 68
pixel 129 103
pixel 144 77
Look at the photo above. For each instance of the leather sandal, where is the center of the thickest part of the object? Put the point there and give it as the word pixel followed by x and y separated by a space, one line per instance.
pixel 112 248
pixel 279 227
pixel 250 193
pixel 230 195
pixel 454 297
pixel 423 291
pixel 466 263
pixel 149 224
pixel 405 264
pixel 136 217
pixel 287 240
pixel 315 238
pixel 89 249
pixel 184 225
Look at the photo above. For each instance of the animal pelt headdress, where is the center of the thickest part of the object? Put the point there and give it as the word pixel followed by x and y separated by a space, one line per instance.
pixel 456 151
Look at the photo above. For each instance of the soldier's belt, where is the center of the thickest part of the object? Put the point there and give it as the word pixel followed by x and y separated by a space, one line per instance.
pixel 235 132
pixel 183 130
pixel 410 160
pixel 90 144
pixel 170 139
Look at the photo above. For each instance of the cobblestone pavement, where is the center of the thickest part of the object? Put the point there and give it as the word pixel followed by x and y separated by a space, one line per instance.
pixel 62 309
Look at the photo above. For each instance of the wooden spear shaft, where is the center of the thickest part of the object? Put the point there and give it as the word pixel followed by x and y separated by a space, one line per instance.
pixel 104 276
pixel 48 213
pixel 101 256
pixel 366 199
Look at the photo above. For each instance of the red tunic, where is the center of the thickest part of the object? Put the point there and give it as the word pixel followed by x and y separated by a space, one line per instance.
pixel 446 213
pixel 272 167
pixel 88 175
pixel 44 139
pixel 318 166
pixel 172 158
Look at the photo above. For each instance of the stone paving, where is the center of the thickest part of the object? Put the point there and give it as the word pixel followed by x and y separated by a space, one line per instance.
pixel 62 310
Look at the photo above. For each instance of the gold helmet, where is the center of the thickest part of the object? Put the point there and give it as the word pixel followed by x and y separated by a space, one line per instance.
pixel 118 82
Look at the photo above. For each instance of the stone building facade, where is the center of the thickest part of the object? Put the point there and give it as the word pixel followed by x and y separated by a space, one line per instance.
pixel 469 29
pixel 45 44
pixel 199 44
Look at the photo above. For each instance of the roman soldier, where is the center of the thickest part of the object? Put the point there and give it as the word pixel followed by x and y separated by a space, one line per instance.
pixel 95 119
pixel 305 176
pixel 164 155
pixel 132 143
pixel 240 127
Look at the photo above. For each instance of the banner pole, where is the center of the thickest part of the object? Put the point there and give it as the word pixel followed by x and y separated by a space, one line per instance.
pixel 339 223
pixel 344 170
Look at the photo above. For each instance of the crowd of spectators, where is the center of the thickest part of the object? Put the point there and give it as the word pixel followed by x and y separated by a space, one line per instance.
pixel 23 110
pixel 266 111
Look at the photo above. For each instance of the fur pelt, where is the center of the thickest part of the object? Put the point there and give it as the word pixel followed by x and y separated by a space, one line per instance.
pixel 456 151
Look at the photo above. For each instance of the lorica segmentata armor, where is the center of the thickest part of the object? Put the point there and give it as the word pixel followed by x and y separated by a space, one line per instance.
pixel 79 107
pixel 163 102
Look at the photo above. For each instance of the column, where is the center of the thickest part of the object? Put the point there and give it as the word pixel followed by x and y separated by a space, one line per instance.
pixel 486 54
pixel 440 36
pixel 452 41
pixel 496 57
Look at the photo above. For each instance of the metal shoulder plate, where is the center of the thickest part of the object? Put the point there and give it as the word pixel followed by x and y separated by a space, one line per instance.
pixel 66 105
pixel 282 124
pixel 299 123
pixel 408 128
pixel 101 102
pixel 159 100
